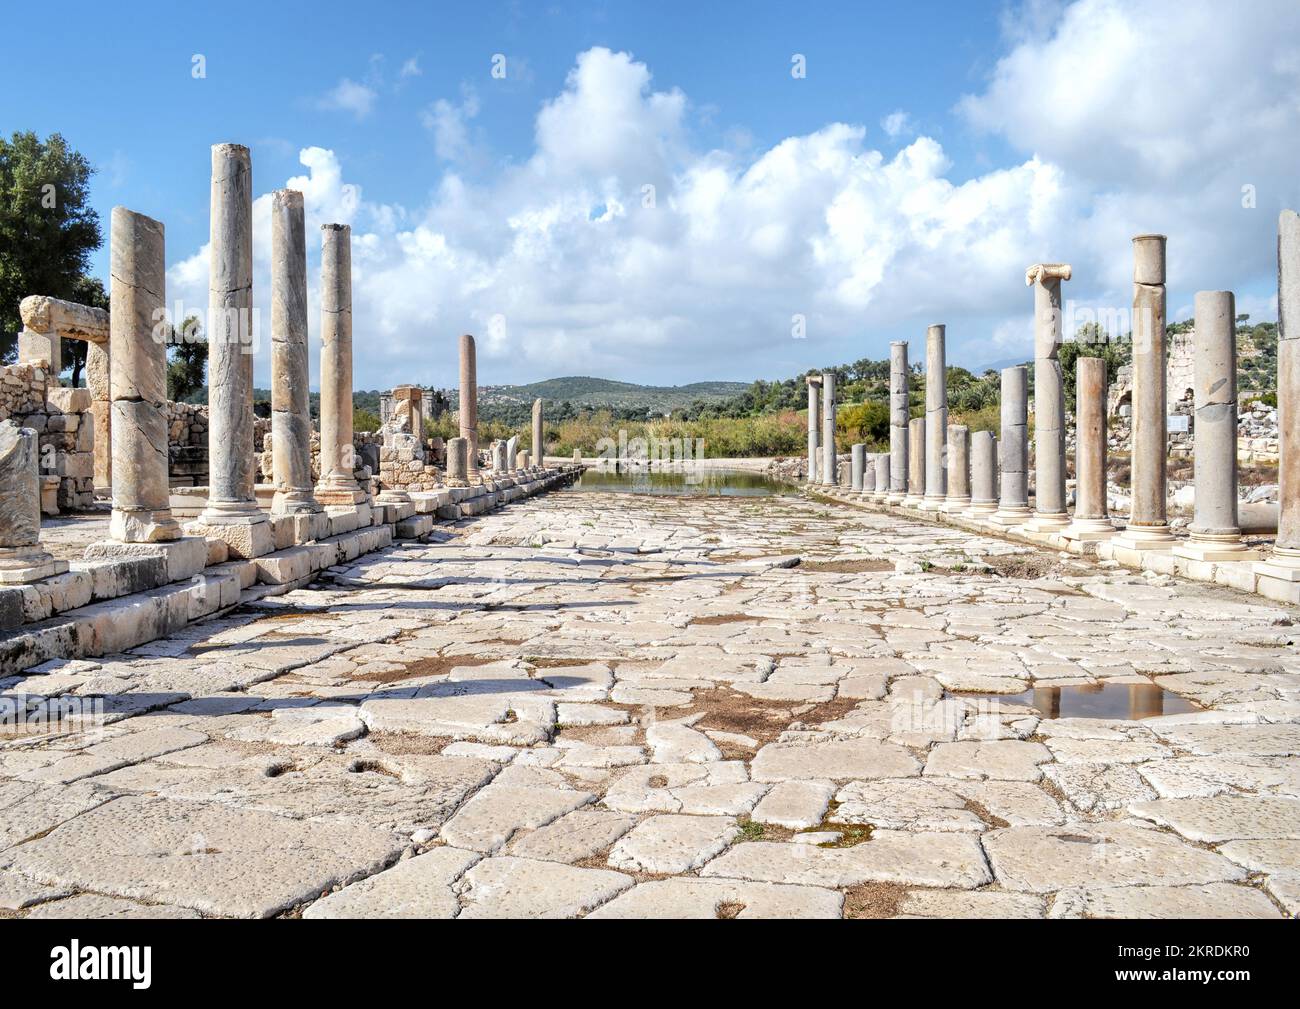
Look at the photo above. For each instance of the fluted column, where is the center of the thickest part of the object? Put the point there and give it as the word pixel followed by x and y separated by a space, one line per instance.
pixel 469 401
pixel 898 421
pixel 857 466
pixel 881 464
pixel 1215 532
pixel 1049 398
pixel 22 558
pixel 983 475
pixel 539 441
pixel 1013 502
pixel 814 426
pixel 1148 528
pixel 958 497
pixel 338 484
pixel 1090 510
pixel 936 419
pixel 232 513
pixel 290 407
pixel 138 382
pixel 915 463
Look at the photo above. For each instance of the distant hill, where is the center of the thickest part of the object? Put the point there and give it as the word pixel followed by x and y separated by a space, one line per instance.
pixel 585 391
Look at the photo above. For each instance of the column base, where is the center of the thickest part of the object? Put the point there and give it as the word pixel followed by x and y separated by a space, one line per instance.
pixel 1015 515
pixel 20 565
pixel 912 501
pixel 245 530
pixel 143 525
pixel 980 509
pixel 955 505
pixel 1048 522
pixel 340 495
pixel 896 497
pixel 933 502
pixel 299 501
pixel 1089 530
pixel 1216 548
pixel 1145 537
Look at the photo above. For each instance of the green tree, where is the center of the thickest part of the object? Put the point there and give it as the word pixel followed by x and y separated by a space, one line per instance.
pixel 1091 340
pixel 47 228
pixel 187 360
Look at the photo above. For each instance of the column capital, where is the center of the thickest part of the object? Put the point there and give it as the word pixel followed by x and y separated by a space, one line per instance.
pixel 1041 273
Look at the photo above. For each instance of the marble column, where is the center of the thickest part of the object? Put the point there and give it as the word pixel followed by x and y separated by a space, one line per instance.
pixel 1090 514
pixel 338 484
pixel 1279 576
pixel 898 423
pixel 936 419
pixel 958 497
pixel 1148 528
pixel 983 475
pixel 1050 514
pixel 915 463
pixel 539 436
pixel 469 400
pixel 232 513
pixel 1013 502
pixel 512 453
pixel 290 407
pixel 814 426
pixel 829 473
pixel 22 559
pixel 857 466
pixel 881 463
pixel 1215 532
pixel 138 382
pixel 457 462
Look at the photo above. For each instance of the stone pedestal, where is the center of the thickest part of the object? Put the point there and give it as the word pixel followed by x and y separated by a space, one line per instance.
pixel 1013 502
pixel 1090 521
pixel 1215 532
pixel 983 475
pixel 469 400
pixel 814 427
pixel 338 462
pixel 881 465
pixel 958 497
pixel 857 465
pixel 1049 399
pixel 829 471
pixel 915 463
pixel 138 382
pixel 898 421
pixel 22 559
pixel 290 409
pixel 232 514
pixel 1148 528
pixel 936 419
pixel 539 436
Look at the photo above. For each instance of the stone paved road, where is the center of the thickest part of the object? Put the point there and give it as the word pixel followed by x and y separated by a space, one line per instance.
pixel 614 706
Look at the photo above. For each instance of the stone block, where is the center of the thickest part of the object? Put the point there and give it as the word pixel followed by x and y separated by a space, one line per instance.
pixel 285 566
pixel 182 558
pixel 414 527
pixel 244 540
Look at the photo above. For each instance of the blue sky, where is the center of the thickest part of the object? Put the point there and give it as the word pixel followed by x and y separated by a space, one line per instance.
pixel 931 152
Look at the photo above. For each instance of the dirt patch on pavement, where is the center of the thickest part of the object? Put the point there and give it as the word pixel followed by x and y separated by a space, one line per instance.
pixel 437 665
pixel 408 744
pixel 717 619
pixel 873 900
pixel 1035 565
pixel 727 710
pixel 866 564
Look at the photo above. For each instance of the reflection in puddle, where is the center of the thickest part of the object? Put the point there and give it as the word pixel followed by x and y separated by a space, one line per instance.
pixel 1101 700
pixel 694 482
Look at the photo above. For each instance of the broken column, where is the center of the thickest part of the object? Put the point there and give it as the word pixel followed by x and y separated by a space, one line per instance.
pixel 539 443
pixel 231 513
pixel 1090 514
pixel 22 559
pixel 881 463
pixel 1215 532
pixel 958 497
pixel 1148 528
pixel 868 473
pixel 469 400
pixel 457 462
pixel 830 475
pixel 1049 399
pixel 936 419
pixel 915 463
pixel 138 382
pixel 814 426
pixel 512 453
pixel 338 484
pixel 857 466
pixel 898 430
pixel 290 409
pixel 983 475
pixel 1013 502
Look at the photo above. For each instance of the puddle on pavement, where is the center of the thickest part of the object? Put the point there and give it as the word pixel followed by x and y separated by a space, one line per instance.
pixel 1132 701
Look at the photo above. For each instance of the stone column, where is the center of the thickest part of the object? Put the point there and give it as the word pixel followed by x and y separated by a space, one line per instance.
pixel 881 462
pixel 936 419
pixel 232 513
pixel 857 466
pixel 1215 533
pixel 868 473
pixel 290 409
pixel 830 475
pixel 898 411
pixel 983 475
pixel 539 436
pixel 457 462
pixel 512 453
pixel 138 382
pixel 21 557
pixel 1090 515
pixel 469 400
pixel 1147 528
pixel 98 367
pixel 338 484
pixel 1013 504
pixel 915 463
pixel 1049 399
pixel 1279 576
pixel 814 426
pixel 958 497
